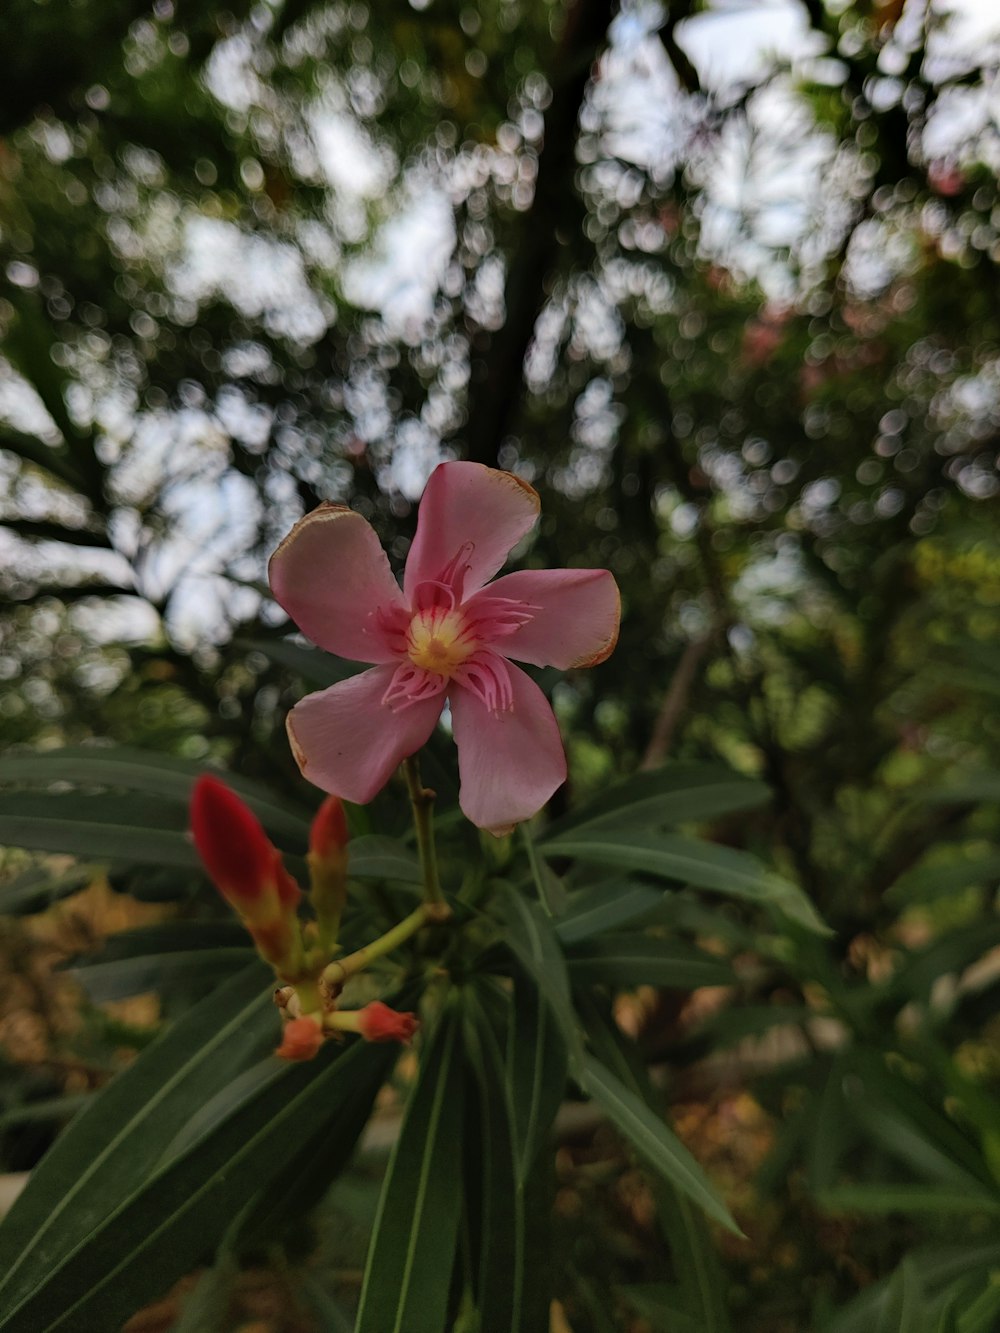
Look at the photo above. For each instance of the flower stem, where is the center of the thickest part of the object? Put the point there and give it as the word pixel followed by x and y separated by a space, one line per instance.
pixel 422 800
pixel 337 972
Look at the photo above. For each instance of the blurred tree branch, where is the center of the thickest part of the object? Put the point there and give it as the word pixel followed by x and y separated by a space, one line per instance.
pixel 498 359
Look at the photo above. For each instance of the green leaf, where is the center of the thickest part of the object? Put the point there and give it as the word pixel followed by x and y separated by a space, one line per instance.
pixel 410 1258
pixel 111 827
pixel 537 1060
pixel 225 1103
pixel 162 1226
pixel 165 937
pixel 207 1305
pixel 332 1316
pixel 675 794
pixel 627 960
pixel 36 889
pixel 952 951
pixel 905 1199
pixel 375 857
pixel 499 1234
pixel 550 888
pixel 752 1020
pixel 45 1109
pixel 700 1275
pixel 111 1147
pixel 658 1303
pixel 700 1278
pixel 984 1314
pixel 932 881
pixel 532 939
pixel 320 1157
pixel 604 907
pixel 951 1275
pixel 153 774
pixel 831 1130
pixel 179 971
pixel 899 1117
pixel 593 1300
pixel 652 1139
pixel 689 861
pixel 906 1303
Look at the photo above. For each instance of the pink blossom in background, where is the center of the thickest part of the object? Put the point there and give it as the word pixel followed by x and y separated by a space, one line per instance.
pixel 444 635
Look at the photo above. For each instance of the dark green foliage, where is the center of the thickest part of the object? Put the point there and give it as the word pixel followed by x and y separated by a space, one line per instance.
pixel 773 418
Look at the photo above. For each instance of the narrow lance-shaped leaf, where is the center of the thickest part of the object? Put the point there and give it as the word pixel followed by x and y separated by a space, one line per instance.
pixel 688 861
pixel 376 857
pixel 38 888
pixel 152 774
pixel 533 940
pixel 537 1062
pixel 678 793
pixel 880 1199
pixel 412 1250
pixel 606 906
pixel 321 1156
pixel 899 1116
pixel 109 826
pixel 109 1150
pixel 164 1224
pixel 499 1235
pixel 700 1285
pixel 634 960
pixel 549 887
pixel 652 1139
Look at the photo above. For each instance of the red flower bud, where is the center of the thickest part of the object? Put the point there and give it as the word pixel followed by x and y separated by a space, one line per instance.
pixel 377 1022
pixel 327 860
pixel 242 861
pixel 247 870
pixel 329 835
pixel 301 1039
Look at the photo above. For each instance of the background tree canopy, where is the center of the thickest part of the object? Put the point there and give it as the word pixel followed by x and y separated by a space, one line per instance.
pixel 722 282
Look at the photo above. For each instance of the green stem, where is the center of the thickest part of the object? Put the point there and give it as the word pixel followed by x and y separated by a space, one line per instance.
pixel 422 800
pixel 336 973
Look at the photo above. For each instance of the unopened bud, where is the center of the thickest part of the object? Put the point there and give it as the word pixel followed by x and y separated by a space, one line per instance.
pixel 375 1022
pixel 327 859
pixel 301 1039
pixel 329 836
pixel 247 869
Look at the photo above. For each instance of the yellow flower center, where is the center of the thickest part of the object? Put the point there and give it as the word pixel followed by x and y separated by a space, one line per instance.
pixel 439 641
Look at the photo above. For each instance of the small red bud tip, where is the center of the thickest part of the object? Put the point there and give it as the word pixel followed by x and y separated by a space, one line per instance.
pixel 329 835
pixel 377 1022
pixel 301 1040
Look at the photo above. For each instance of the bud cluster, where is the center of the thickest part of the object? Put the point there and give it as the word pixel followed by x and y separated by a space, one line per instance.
pixel 248 871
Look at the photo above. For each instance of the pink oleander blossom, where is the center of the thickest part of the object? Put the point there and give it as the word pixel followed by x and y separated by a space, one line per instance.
pixel 444 635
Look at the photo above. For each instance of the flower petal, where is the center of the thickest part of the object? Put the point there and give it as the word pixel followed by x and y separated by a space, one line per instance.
pixel 470 518
pixel 576 623
pixel 348 742
pixel 332 576
pixel 510 762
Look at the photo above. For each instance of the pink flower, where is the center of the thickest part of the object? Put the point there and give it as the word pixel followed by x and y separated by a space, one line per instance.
pixel 443 635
